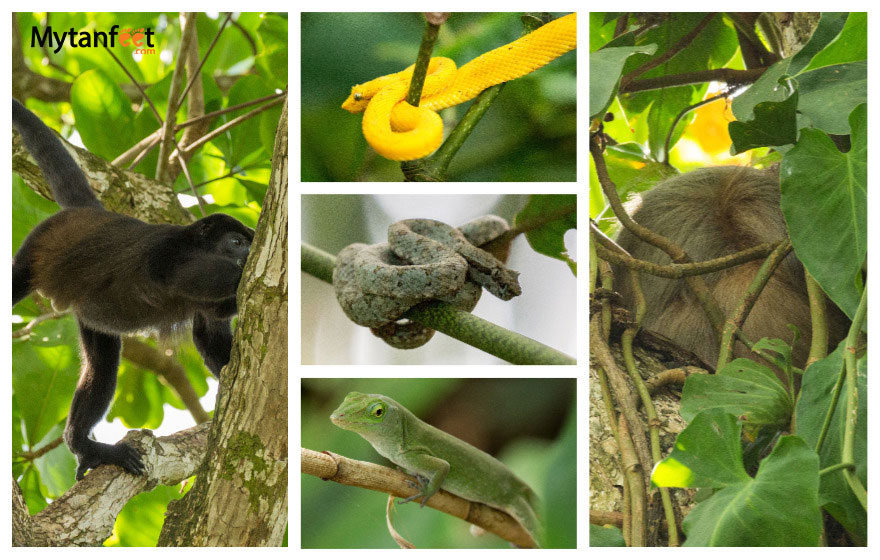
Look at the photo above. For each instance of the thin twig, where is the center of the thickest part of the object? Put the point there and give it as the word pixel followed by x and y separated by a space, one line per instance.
pixel 188 34
pixel 234 122
pixel 230 109
pixel 433 168
pixel 198 72
pixel 199 199
pixel 150 141
pixel 726 75
pixel 40 451
pixel 145 152
pixel 682 44
pixel 414 95
pixel 681 114
pixel 342 470
pixel 26 330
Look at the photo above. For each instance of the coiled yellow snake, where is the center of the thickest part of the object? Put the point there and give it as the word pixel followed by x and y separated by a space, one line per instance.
pixel 399 131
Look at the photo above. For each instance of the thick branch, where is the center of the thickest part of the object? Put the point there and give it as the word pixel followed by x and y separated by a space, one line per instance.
pixel 86 513
pixel 118 190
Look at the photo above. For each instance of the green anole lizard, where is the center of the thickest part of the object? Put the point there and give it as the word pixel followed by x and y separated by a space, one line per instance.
pixel 437 459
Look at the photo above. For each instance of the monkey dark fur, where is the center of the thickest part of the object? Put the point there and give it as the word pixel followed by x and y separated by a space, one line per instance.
pixel 120 275
pixel 710 213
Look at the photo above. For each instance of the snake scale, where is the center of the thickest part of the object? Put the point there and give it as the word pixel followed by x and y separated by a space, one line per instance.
pixel 399 131
pixel 423 260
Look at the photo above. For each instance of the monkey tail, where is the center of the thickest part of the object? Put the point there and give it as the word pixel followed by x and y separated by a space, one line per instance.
pixel 68 183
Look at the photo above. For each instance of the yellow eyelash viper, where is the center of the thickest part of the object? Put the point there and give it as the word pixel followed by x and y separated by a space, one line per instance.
pixel 399 131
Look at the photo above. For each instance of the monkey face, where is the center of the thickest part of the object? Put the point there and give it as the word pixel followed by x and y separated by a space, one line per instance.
pixel 235 246
pixel 223 235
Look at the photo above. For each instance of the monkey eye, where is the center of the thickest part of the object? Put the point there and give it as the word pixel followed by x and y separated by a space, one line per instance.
pixel 358 96
pixel 236 241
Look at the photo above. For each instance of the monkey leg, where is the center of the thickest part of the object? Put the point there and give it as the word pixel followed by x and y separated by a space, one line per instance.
pixel 213 340
pixel 97 383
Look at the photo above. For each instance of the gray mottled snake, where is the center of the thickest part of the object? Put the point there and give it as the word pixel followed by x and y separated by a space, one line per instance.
pixel 423 260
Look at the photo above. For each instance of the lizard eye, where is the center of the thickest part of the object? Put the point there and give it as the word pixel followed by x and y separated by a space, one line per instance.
pixel 377 410
pixel 358 96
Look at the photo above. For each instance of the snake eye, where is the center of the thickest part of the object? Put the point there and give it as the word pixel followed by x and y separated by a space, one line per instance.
pixel 358 96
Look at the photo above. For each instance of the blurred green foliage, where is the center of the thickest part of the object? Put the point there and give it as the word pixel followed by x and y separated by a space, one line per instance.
pixel 529 134
pixel 529 424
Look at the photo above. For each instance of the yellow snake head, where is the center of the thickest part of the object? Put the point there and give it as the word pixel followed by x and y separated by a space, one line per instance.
pixel 361 94
pixel 358 99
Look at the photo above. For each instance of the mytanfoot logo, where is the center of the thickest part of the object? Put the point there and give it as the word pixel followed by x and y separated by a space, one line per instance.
pixel 141 40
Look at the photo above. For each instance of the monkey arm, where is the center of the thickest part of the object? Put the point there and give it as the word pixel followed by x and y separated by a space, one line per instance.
pixel 94 392
pixel 205 278
pixel 213 339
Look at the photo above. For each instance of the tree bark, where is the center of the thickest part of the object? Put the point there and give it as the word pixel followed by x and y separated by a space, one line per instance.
pixel 85 514
pixel 240 494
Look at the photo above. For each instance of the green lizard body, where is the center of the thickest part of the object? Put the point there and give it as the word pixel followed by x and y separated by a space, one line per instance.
pixel 438 460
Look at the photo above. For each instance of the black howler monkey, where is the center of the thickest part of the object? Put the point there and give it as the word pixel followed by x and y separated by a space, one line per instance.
pixel 121 275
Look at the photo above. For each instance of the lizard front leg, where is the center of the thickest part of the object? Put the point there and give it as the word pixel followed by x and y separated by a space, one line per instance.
pixel 430 472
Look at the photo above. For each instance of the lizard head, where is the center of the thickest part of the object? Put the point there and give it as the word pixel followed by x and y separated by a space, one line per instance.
pixel 364 414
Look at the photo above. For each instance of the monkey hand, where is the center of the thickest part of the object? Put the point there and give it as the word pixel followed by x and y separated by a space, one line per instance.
pixel 121 454
pixel 423 260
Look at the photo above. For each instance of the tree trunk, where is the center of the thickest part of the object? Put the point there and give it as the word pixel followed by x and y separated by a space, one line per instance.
pixel 240 494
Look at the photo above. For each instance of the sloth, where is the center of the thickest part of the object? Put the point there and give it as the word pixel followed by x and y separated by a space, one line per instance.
pixel 710 213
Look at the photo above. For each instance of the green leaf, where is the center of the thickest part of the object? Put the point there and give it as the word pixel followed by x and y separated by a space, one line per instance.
pixel 244 138
pixel 272 60
pixel 605 68
pixel 45 375
pixel 57 467
pixel 813 404
pixel 140 521
pixel 746 389
pixel 549 239
pixel 779 507
pixel 99 105
pixel 633 172
pixel 30 488
pixel 713 47
pixel 707 454
pixel 824 200
pixel 605 536
pixel 771 86
pixel 851 45
pixel 830 24
pixel 601 31
pixel 778 346
pixel 775 124
pixel 828 95
pixel 138 401
pixel 664 108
